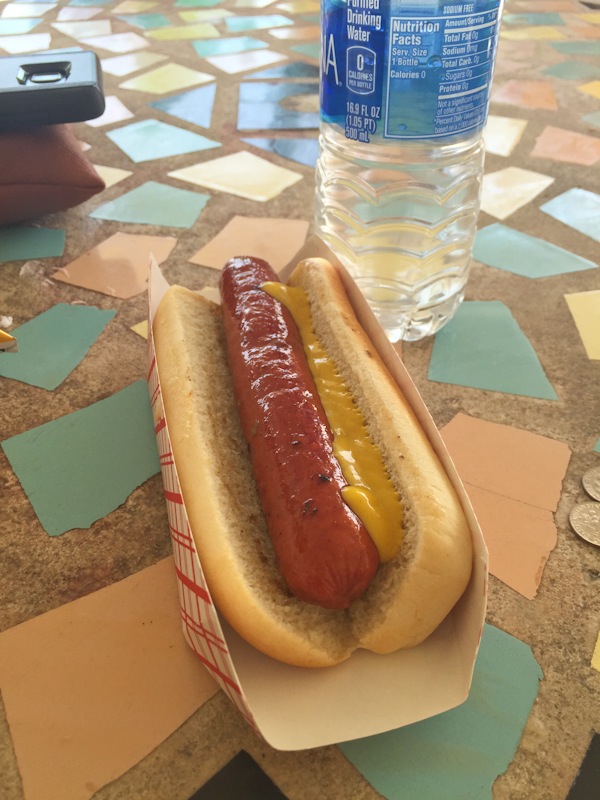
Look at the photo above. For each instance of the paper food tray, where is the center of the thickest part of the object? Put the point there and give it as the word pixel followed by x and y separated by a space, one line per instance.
pixel 296 708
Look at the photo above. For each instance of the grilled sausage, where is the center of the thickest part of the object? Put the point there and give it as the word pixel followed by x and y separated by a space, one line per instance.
pixel 325 554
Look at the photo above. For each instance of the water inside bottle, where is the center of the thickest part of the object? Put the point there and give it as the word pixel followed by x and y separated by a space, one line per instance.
pixel 403 222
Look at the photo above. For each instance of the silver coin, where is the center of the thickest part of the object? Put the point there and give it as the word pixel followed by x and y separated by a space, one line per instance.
pixel 585 521
pixel 591 482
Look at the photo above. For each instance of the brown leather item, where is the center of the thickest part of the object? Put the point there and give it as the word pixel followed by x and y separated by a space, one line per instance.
pixel 43 170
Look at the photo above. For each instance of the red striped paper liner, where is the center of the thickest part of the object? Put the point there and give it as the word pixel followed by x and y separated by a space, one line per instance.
pixel 201 625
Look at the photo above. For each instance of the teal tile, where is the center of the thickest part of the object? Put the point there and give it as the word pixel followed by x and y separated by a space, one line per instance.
pixel 483 347
pixel 535 18
pixel 22 242
pixel 78 468
pixel 52 344
pixel 577 48
pixel 578 208
pixel 573 70
pixel 258 22
pixel 225 46
pixel 513 251
pixel 312 50
pixel 593 118
pixel 14 27
pixel 459 754
pixel 150 139
pixel 147 22
pixel 295 69
pixel 154 203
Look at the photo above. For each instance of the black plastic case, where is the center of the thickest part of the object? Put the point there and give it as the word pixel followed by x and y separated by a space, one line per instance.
pixel 50 88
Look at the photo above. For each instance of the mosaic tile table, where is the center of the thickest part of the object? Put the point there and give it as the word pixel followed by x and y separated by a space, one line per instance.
pixel 208 146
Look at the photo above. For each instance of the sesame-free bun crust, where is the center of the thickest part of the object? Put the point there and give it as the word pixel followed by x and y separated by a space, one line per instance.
pixel 410 595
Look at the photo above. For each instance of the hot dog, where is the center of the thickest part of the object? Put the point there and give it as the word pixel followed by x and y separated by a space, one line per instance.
pixel 314 587
pixel 298 478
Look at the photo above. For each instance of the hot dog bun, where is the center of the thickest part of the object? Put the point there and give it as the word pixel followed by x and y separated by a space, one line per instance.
pixel 410 595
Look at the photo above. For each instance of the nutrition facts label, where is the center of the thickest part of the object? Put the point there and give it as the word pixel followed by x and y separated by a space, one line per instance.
pixel 402 69
pixel 447 61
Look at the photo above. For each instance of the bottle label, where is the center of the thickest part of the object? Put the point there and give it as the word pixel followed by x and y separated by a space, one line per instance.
pixel 407 69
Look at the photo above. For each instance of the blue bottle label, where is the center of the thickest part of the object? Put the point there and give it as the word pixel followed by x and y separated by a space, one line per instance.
pixel 407 69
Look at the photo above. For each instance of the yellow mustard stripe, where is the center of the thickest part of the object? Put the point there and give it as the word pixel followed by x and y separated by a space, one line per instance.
pixel 370 492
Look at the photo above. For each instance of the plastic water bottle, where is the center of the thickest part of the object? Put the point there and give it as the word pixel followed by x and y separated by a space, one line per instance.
pixel 404 98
